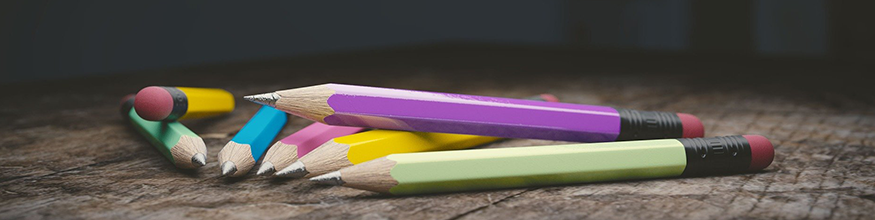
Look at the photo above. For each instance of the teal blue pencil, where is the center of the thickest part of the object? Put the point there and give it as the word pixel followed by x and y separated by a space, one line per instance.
pixel 250 143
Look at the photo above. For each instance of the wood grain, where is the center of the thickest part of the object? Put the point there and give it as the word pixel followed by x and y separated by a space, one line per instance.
pixel 83 161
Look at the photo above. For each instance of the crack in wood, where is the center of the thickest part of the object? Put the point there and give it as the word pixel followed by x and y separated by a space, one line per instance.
pixel 459 216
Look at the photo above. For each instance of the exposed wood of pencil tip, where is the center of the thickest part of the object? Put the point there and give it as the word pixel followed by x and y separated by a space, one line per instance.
pixel 240 154
pixel 373 175
pixel 326 158
pixel 185 149
pixel 281 155
pixel 308 102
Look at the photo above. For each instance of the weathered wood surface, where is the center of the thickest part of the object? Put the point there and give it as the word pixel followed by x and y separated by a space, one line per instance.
pixel 67 154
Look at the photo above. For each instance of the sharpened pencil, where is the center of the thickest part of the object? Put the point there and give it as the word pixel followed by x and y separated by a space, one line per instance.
pixel 357 148
pixel 396 109
pixel 175 141
pixel 467 170
pixel 250 143
pixel 286 151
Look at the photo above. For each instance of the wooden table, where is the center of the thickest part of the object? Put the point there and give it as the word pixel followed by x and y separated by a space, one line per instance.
pixel 68 154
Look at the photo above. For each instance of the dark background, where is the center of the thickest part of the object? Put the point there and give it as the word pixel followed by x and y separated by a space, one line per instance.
pixel 784 39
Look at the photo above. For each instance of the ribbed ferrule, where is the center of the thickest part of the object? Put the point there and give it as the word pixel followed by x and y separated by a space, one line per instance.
pixel 639 125
pixel 180 103
pixel 716 155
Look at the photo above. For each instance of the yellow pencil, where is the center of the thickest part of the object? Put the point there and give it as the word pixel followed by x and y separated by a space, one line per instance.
pixel 353 149
pixel 160 103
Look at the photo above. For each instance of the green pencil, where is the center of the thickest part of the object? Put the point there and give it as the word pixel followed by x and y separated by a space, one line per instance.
pixel 464 170
pixel 176 142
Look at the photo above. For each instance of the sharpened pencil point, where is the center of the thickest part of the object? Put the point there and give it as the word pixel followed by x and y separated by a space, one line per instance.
pixel 228 168
pixel 268 99
pixel 296 170
pixel 265 167
pixel 199 159
pixel 332 178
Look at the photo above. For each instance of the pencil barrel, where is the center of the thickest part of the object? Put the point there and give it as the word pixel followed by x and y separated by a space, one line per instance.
pixel 378 143
pixel 204 102
pixel 410 110
pixel 310 137
pixel 449 171
pixel 374 144
pixel 260 130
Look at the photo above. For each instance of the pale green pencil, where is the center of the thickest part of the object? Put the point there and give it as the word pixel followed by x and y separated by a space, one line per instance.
pixel 465 170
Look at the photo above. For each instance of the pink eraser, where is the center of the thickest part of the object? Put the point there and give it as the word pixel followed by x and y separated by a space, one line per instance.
pixel 549 97
pixel 316 134
pixel 153 103
pixel 761 152
pixel 692 126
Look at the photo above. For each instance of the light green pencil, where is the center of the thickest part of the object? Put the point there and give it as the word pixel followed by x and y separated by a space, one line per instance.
pixel 465 170
pixel 176 142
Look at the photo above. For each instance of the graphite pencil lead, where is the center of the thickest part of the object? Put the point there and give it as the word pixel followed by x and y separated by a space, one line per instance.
pixel 332 178
pixel 265 168
pixel 199 159
pixel 296 170
pixel 228 168
pixel 268 99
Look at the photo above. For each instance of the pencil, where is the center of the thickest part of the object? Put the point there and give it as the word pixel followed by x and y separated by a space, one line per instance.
pixel 286 151
pixel 250 143
pixel 395 109
pixel 181 146
pixel 163 103
pixel 466 170
pixel 357 148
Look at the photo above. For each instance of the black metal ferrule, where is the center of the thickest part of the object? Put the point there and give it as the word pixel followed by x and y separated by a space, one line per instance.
pixel 639 125
pixel 716 155
pixel 126 107
pixel 180 103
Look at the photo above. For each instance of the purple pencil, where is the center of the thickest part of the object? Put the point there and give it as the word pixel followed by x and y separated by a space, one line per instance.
pixel 396 109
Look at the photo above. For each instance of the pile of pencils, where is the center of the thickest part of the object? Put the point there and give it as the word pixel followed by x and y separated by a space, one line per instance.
pixel 405 142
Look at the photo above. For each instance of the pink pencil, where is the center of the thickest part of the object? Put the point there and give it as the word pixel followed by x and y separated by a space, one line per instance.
pixel 286 151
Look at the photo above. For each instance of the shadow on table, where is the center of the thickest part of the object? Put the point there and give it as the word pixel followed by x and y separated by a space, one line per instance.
pixel 385 196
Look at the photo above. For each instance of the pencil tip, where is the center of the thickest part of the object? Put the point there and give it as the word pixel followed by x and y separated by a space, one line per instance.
pixel 332 178
pixel 265 168
pixel 199 159
pixel 296 170
pixel 228 168
pixel 268 99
